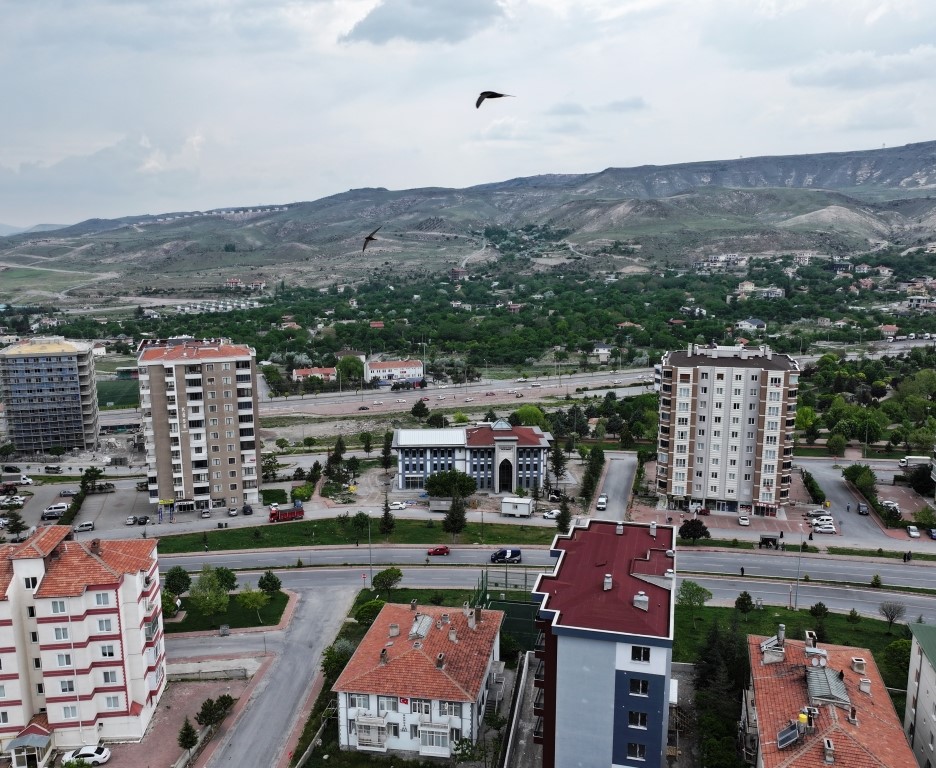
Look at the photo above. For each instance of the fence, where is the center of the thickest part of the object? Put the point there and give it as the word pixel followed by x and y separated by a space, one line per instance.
pixel 238 673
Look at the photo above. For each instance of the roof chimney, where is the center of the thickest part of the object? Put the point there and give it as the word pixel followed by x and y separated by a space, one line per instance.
pixel 471 620
pixel 445 618
pixel 653 527
pixel 465 608
pixel 811 639
pixel 412 604
pixel 394 630
pixel 383 655
pixel 781 633
pixel 864 685
pixel 95 546
pixel 440 661
pixel 453 635
pixel 619 529
pixel 641 601
pixel 608 582
pixel 858 664
pixel 853 715
pixel 828 751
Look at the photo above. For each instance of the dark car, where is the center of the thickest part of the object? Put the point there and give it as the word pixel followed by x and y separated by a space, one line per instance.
pixel 932 533
pixel 863 509
pixel 363 408
pixel 247 510
pixel 11 468
pixel 53 470
pixel 441 550
pixel 506 556
pixel 143 520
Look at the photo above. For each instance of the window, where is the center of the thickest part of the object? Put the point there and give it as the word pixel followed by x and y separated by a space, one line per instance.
pixel 2 691
pixel 110 677
pixel 64 659
pixel 31 582
pixel 34 637
pixel 420 706
pixel 70 712
pixel 430 738
pixel 112 702
pixel 104 625
pixel 359 700
pixel 388 704
pixel 637 719
pixel 640 653
pixel 61 633
pixel 67 686
pixel 37 663
pixel 31 611
pixel 393 730
pixel 102 598
pixel 40 689
pixel 637 751
pixel 107 651
pixel 452 708
pixel 4 718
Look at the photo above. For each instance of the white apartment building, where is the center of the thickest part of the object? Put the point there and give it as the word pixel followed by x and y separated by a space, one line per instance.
pixel 919 718
pixel 199 404
pixel 726 428
pixel 82 655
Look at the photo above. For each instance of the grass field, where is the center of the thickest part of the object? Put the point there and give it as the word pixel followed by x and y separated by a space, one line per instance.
pixel 235 616
pixel 123 394
pixel 18 279
pixel 333 531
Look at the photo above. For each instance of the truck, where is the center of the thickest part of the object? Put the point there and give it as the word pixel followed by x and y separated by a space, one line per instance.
pixel 912 461
pixel 17 478
pixel 281 515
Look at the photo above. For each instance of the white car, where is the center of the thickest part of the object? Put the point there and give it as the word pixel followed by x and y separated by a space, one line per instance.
pixel 469 399
pixel 892 505
pixel 553 514
pixel 378 402
pixel 91 755
pixel 441 397
pixel 913 532
pixel 400 400
pixel 827 528
pixel 398 505
pixel 744 520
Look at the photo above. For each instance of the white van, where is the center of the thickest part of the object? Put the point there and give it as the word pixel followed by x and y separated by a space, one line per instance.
pixel 824 520
pixel 54 511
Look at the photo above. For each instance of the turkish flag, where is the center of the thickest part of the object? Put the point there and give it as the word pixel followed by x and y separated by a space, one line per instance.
pixel 404 701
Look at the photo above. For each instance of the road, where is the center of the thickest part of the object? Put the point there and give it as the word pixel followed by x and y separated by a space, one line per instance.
pixel 618 482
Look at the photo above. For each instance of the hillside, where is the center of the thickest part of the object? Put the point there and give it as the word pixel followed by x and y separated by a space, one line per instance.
pixel 843 202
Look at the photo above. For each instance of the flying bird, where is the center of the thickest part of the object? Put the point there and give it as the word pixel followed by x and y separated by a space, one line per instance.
pixel 490 95
pixel 370 238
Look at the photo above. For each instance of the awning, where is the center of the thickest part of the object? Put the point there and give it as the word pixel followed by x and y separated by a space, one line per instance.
pixel 372 720
pixel 34 740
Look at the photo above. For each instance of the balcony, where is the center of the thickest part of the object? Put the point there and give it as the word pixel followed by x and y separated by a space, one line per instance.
pixel 539 674
pixel 538 731
pixel 539 702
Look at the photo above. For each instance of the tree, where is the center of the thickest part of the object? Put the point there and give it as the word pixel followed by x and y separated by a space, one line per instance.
pixel 335 657
pixel 167 601
pixel 819 611
pixel 7 450
pixel 354 466
pixel 188 737
pixel 360 523
pixel 451 482
pixel 557 462
pixel 367 443
pixel 15 524
pixel 387 521
pixel 367 613
pixel 895 663
pixel 227 579
pixel 350 369
pixel 564 521
pixel 90 477
pixel 419 410
pixel 455 519
pixel 692 596
pixel 892 611
pixel 282 443
pixel 178 580
pixel 532 416
pixel 269 583
pixel 387 579
pixel 836 445
pixel 251 599
pixel 386 454
pixel 207 594
pixel 744 604
pixel 270 466
pixel 437 421
pixel 693 530
pixel 213 711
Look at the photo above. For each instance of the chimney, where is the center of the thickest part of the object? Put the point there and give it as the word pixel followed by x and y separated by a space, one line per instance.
pixel 853 715
pixel 394 630
pixel 95 546
pixel 811 639
pixel 828 751
pixel 438 623
pixel 465 608
pixel 641 601
pixel 608 582
pixel 471 620
pixel 383 655
pixel 864 685
pixel 653 526
pixel 445 618
pixel 781 633
pixel 440 661
pixel 858 665
pixel 453 635
pixel 619 529
pixel 412 604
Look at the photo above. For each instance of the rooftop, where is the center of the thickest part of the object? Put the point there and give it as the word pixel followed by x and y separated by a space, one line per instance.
pixel 46 345
pixel 411 666
pixel 636 560
pixel 486 434
pixel 395 364
pixel 824 678
pixel 925 635
pixel 185 348
pixel 730 357
pixel 410 438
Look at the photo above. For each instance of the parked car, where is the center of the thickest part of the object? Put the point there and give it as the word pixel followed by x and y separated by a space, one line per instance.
pixel 425 399
pixel 490 394
pixel 932 532
pixel 90 755
pixel 247 510
pixel 143 520
pixel 15 500
pixel 232 511
pixel 398 505
pixel 469 399
pixel 602 503
pixel 54 511
pixel 53 470
pixel 893 506
pixel 744 520
pixel 552 514
pixel 824 520
pixel 818 512
pixel 703 511
pixel 440 550
pixel 827 528
pixel 913 532
pixel 863 509
pixel 378 402
pixel 519 394
pixel 400 400
pixel 66 492
pixel 206 513
pixel 82 527
pixel 131 520
pixel 11 469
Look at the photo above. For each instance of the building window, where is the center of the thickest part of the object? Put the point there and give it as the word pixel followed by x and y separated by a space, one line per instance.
pixel 31 611
pixel 68 686
pixel 637 751
pixel 388 704
pixel 4 718
pixel 637 719
pixel 358 700
pixel 2 691
pixel 451 708
pixel 34 637
pixel 70 712
pixel 107 651
pixel 639 687
pixel 420 706
pixel 640 653
pixel 102 598
pixel 112 702
pixel 64 659
pixel 429 738
pixel 37 663
pixel 110 677
pixel 31 582
pixel 40 689
pixel 61 633
pixel 104 625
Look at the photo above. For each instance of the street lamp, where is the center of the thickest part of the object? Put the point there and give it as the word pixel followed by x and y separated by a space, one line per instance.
pixel 370 553
pixel 799 562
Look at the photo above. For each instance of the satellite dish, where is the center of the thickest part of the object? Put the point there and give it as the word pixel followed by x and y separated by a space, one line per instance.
pixel 823 661
pixel 814 661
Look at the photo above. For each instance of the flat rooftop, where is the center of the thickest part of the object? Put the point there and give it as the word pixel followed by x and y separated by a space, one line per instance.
pixel 730 357
pixel 636 560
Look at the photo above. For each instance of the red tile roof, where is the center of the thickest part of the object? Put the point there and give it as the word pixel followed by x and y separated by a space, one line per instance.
pixel 41 543
pixel 6 569
pixel 532 437
pixel 636 561
pixel 780 692
pixel 193 350
pixel 411 671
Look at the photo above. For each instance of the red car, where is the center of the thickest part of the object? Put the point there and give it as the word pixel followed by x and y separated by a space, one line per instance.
pixel 443 550
pixel 426 399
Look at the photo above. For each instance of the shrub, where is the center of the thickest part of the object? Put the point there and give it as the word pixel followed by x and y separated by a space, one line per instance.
pixel 876 581
pixel 367 613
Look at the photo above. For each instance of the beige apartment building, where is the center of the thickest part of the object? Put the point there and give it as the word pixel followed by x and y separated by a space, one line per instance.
pixel 726 428
pixel 199 404
pixel 47 385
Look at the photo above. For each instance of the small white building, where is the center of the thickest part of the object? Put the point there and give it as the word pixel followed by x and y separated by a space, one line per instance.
pixel 514 506
pixel 393 370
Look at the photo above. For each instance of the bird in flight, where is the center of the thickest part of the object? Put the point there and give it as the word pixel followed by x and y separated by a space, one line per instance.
pixel 490 95
pixel 370 238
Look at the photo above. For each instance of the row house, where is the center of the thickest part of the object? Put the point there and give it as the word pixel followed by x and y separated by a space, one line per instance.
pixel 325 374
pixel 393 370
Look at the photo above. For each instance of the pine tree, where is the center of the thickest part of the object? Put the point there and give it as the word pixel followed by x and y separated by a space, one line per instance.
pixel 455 519
pixel 188 736
pixel 386 454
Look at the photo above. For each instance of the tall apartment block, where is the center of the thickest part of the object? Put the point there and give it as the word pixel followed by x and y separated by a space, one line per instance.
pixel 605 649
pixel 199 403
pixel 47 384
pixel 81 642
pixel 726 428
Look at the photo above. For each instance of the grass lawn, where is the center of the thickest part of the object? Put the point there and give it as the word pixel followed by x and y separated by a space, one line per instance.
pixel 235 617
pixel 333 531
pixel 123 394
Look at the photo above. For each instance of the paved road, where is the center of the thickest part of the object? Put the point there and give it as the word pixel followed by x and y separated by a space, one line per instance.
pixel 618 482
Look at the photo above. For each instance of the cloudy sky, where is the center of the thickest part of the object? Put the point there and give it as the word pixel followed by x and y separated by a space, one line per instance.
pixel 120 107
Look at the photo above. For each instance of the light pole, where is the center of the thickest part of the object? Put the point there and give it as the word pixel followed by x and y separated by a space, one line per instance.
pixel 370 553
pixel 799 562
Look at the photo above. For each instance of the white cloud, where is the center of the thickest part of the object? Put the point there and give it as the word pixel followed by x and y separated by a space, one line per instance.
pixel 866 69
pixel 425 21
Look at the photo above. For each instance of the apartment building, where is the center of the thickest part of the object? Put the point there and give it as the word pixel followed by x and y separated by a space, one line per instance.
pixel 919 717
pixel 82 656
pixel 726 428
pixel 420 680
pixel 393 370
pixel 604 653
pixel 47 384
pixel 501 458
pixel 199 404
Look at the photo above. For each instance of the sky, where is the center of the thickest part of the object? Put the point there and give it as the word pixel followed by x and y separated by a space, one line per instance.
pixel 122 107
